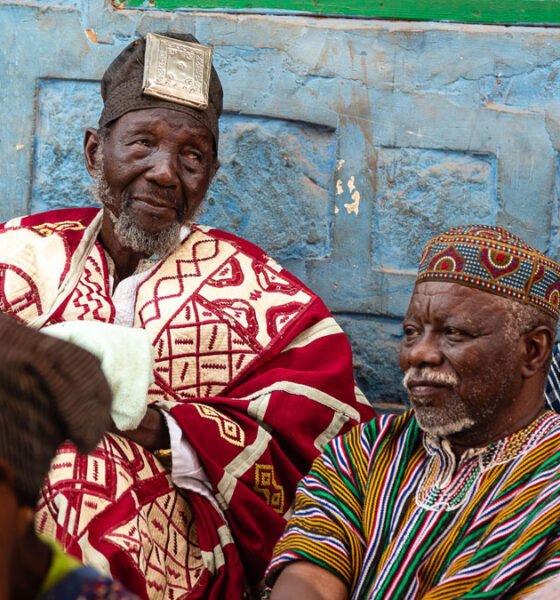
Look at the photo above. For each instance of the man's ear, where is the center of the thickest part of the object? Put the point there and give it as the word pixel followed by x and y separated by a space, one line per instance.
pixel 538 345
pixel 91 143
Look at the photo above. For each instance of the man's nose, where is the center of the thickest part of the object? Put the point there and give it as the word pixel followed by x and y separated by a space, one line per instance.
pixel 425 351
pixel 164 169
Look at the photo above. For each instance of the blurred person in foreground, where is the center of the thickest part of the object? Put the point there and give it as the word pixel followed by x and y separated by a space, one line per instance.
pixel 460 496
pixel 252 375
pixel 50 391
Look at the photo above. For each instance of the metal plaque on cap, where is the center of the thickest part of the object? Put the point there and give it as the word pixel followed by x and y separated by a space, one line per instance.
pixel 177 71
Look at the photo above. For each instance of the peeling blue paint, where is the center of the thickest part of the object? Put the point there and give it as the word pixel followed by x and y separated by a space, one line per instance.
pixel 424 192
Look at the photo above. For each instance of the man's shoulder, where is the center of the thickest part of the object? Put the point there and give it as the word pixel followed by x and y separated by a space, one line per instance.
pixel 258 256
pixel 387 429
pixel 56 220
pixel 394 424
pixel 244 245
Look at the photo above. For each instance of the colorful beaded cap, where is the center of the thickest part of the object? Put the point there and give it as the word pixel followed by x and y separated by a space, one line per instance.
pixel 494 260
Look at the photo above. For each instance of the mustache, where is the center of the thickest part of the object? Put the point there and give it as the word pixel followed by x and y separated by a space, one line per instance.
pixel 429 375
pixel 164 195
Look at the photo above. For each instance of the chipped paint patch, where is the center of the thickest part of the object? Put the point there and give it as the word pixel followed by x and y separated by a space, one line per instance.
pixel 336 211
pixel 91 35
pixel 491 105
pixel 339 188
pixel 20 147
pixel 339 163
pixel 354 206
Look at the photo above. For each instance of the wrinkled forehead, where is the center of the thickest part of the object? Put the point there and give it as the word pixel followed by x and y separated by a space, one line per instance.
pixel 446 298
pixel 151 117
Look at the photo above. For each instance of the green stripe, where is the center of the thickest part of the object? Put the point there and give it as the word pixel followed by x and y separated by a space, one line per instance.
pixel 481 11
pixel 549 463
pixel 477 591
pixel 408 447
pixel 419 556
pixel 314 558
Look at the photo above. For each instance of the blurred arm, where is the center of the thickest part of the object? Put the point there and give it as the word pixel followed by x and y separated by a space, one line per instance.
pixel 305 580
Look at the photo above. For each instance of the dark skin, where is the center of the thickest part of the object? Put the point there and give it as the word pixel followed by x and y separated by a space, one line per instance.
pixel 162 161
pixel 24 558
pixel 457 331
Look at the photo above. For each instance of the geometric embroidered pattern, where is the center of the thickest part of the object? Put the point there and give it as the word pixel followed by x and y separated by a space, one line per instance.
pixel 211 311
pixel 229 429
pixel 50 228
pixel 447 261
pixel 119 502
pixel 89 298
pixel 553 294
pixel 493 260
pixel 18 293
pixel 266 485
pixel 498 262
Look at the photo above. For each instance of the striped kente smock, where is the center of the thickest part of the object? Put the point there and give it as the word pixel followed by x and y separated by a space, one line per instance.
pixel 389 511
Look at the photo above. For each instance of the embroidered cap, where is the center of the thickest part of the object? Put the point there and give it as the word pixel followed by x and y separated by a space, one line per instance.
pixel 171 71
pixel 495 261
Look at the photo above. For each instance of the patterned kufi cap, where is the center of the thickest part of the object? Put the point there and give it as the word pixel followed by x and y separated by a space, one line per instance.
pixel 495 261
pixel 122 87
pixel 50 391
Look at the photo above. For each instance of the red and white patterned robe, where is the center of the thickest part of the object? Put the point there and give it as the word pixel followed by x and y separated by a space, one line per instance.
pixel 249 363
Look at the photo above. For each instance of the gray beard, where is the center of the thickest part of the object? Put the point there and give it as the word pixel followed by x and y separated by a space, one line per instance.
pixel 454 416
pixel 151 244
pixel 125 228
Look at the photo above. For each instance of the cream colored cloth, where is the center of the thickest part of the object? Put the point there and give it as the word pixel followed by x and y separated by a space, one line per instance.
pixel 126 356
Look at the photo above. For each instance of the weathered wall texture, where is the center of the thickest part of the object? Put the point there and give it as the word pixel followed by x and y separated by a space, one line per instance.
pixel 346 143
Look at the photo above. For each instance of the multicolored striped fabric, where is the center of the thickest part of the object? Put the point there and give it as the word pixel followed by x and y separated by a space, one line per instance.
pixel 552 391
pixel 394 516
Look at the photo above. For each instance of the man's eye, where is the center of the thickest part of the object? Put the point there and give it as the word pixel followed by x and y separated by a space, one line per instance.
pixel 452 332
pixel 190 155
pixel 410 331
pixel 143 142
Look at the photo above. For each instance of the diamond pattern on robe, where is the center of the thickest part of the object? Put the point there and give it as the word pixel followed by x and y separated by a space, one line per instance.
pixel 89 298
pixel 158 539
pixel 206 310
pixel 200 355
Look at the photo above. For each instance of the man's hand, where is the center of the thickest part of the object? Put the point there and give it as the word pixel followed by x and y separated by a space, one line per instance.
pixel 303 579
pixel 152 433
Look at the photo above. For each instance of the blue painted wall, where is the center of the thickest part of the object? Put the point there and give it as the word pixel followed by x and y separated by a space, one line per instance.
pixel 345 144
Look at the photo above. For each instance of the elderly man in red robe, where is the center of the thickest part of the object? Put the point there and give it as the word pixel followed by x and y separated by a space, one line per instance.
pixel 251 374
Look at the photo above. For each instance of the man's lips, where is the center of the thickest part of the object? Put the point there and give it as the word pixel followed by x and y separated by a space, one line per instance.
pixel 425 393
pixel 420 388
pixel 414 383
pixel 154 204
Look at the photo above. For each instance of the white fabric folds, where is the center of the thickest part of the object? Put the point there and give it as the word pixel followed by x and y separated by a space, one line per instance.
pixel 126 356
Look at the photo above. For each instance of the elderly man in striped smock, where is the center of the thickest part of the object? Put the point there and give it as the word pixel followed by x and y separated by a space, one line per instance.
pixel 459 497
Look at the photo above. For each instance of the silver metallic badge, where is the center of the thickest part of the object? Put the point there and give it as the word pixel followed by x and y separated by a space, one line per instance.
pixel 177 71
